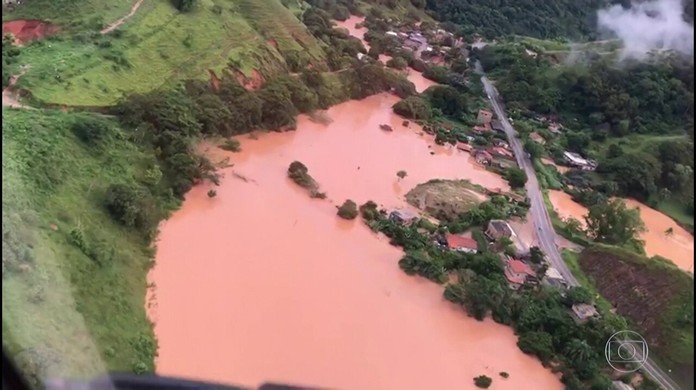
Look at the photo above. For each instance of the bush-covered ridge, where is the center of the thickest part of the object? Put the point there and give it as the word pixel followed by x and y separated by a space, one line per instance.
pixel 655 295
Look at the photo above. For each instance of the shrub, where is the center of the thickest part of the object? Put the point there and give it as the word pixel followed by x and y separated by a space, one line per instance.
pixel 184 5
pixel 91 130
pixel 504 374
pixel 516 177
pixel 483 381
pixel 130 206
pixel 348 210
pixel 413 107
pixel 231 145
pixel 369 211
pixel 397 63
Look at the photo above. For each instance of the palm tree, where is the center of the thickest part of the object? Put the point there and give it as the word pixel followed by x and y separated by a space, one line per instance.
pixel 578 351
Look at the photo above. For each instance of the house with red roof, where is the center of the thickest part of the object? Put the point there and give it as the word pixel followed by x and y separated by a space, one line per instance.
pixel 461 244
pixel 537 138
pixel 518 273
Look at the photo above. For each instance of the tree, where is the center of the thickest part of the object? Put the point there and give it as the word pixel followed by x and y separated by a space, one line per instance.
pixel 578 294
pixel 534 149
pixel 184 5
pixel 610 222
pixel 516 177
pixel 483 381
pixel 413 107
pixel 669 231
pixel 397 63
pixel 401 174
pixel 579 352
pixel 536 256
pixel 536 343
pixel 447 99
pixel 212 194
pixel 348 210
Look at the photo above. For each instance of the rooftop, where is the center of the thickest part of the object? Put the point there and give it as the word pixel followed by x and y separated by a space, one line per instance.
pixel 584 311
pixel 501 226
pixel 553 273
pixel 457 241
pixel 404 214
pixel 501 151
pixel 520 267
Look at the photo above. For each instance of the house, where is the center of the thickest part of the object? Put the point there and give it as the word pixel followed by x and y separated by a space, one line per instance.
pixel 575 160
pixel 392 34
pixel 537 138
pixel 498 228
pixel 518 273
pixel 481 129
pixel 497 126
pixel 554 278
pixel 501 143
pixel 482 157
pixel 411 44
pixel 499 151
pixel 461 243
pixel 403 216
pixel 530 53
pixel 484 116
pixel 618 385
pixel 464 147
pixel 555 127
pixel 582 312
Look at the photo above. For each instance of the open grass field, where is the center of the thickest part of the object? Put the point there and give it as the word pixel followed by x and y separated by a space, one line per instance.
pixel 56 299
pixel 158 45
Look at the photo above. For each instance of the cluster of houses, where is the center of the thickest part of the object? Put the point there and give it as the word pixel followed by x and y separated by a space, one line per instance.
pixel 518 271
pixel 577 161
pixel 499 153
pixel 421 42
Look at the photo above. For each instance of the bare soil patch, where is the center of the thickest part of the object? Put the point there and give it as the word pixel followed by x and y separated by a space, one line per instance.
pixel 26 31
pixel 444 199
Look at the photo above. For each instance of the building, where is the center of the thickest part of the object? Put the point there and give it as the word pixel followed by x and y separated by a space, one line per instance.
pixel 464 147
pixel 537 138
pixel 555 127
pixel 461 243
pixel 518 273
pixel 575 160
pixel 497 126
pixel 530 53
pixel 499 151
pixel 582 312
pixel 501 143
pixel 482 157
pixel 498 228
pixel 481 129
pixel 484 116
pixel 554 278
pixel 392 34
pixel 618 385
pixel 403 216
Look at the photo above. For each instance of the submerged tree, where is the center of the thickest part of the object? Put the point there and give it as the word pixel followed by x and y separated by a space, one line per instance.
pixel 401 174
pixel 611 222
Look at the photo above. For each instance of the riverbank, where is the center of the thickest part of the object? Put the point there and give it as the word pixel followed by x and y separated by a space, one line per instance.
pixel 677 245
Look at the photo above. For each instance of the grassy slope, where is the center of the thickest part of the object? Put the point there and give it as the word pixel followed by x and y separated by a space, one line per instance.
pixel 65 301
pixel 158 45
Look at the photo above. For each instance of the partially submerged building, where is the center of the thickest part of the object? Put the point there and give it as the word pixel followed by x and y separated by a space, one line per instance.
pixel 403 216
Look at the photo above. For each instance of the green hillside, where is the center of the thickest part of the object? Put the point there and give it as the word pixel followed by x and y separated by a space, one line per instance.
pixel 73 280
pixel 157 46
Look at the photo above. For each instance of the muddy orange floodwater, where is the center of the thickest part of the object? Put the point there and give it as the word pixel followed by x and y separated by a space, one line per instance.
pixel 678 246
pixel 262 283
pixel 413 76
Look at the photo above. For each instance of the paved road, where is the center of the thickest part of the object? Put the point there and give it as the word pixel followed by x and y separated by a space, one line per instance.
pixel 542 221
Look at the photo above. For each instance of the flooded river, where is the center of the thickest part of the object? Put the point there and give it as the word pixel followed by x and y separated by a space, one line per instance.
pixel 678 246
pixel 262 283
